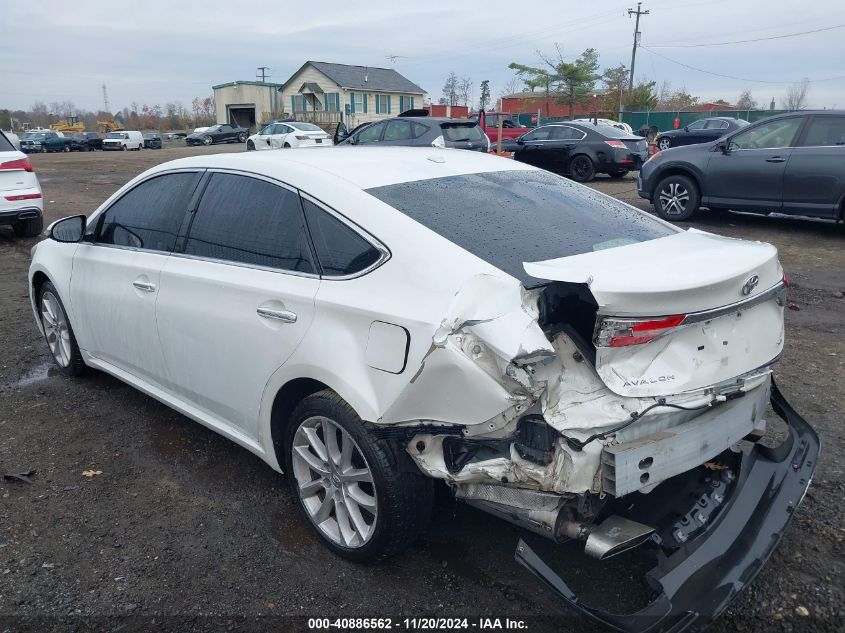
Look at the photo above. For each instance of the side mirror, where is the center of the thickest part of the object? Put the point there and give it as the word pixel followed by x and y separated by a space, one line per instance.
pixel 724 146
pixel 68 230
pixel 686 128
pixel 519 141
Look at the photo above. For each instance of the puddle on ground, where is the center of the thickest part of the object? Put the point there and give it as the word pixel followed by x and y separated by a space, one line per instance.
pixel 35 375
pixel 292 532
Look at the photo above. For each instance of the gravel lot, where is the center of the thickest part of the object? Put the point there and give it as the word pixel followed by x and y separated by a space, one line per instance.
pixel 185 531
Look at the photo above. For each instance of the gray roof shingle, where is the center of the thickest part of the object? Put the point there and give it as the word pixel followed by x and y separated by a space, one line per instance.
pixel 380 79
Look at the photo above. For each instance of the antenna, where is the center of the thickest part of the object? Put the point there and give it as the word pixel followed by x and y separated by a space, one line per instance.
pixel 393 58
pixel 105 99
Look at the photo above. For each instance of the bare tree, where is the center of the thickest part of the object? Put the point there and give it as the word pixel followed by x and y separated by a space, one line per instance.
pixel 450 89
pixel 510 88
pixel 464 90
pixel 746 101
pixel 796 95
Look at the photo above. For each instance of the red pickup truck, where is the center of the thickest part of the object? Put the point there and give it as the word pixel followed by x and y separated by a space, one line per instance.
pixel 489 122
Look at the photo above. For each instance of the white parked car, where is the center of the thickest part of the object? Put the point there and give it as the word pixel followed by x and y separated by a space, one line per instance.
pixel 371 321
pixel 124 140
pixel 288 134
pixel 612 123
pixel 21 204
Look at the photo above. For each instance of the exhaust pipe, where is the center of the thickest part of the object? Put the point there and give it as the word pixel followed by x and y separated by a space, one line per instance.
pixel 544 514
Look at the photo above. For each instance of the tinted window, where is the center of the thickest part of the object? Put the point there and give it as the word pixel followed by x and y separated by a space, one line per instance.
pixel 772 135
pixel 149 216
pixel 566 133
pixel 250 221
pixel 419 129
pixel 370 134
pixel 540 134
pixel 461 133
pixel 511 217
pixel 340 250
pixel 697 125
pixel 398 131
pixel 5 144
pixel 826 130
pixel 716 124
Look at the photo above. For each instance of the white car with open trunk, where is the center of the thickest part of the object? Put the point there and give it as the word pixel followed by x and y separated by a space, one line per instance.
pixel 373 319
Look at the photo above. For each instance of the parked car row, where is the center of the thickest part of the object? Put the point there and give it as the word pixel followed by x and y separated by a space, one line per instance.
pixel 220 133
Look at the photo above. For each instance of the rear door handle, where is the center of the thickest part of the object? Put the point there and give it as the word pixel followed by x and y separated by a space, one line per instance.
pixel 144 285
pixel 776 159
pixel 285 316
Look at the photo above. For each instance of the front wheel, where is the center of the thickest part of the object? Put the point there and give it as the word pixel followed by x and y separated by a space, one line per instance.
pixel 664 143
pixel 250 146
pixel 125 148
pixel 58 333
pixel 581 169
pixel 207 140
pixel 677 198
pixel 347 481
pixel 66 148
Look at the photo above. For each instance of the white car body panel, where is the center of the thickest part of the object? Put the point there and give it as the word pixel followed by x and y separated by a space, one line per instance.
pixel 295 137
pixel 129 138
pixel 474 353
pixel 18 182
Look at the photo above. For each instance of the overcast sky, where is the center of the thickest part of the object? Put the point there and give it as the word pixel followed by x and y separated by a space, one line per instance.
pixel 154 51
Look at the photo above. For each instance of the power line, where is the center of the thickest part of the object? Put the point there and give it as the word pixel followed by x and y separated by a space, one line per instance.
pixel 261 73
pixel 756 81
pixel 758 39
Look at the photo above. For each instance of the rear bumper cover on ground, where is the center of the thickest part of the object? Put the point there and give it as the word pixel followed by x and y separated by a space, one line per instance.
pixel 698 581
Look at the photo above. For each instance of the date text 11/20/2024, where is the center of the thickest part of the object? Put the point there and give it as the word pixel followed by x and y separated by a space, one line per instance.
pixel 417 624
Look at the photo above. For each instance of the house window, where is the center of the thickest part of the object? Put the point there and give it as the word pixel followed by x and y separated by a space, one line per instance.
pixel 297 103
pixel 331 102
pixel 383 104
pixel 405 103
pixel 358 101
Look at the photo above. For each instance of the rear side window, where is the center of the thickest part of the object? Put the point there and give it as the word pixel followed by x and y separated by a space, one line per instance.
pixel 825 131
pixel 461 133
pixel 250 221
pixel 398 130
pixel 149 215
pixel 5 144
pixel 340 250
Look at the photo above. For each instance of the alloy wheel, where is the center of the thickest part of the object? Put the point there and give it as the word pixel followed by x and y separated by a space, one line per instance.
pixel 581 168
pixel 674 198
pixel 56 328
pixel 335 482
pixel 664 143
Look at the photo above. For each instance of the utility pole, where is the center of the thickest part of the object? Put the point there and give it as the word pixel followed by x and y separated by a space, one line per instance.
pixel 637 34
pixel 262 73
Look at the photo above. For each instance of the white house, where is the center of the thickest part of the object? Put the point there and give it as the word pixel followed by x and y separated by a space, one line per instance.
pixel 321 92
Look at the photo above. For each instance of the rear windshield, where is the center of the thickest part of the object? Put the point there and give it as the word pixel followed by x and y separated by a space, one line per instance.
pixel 607 131
pixel 5 144
pixel 307 127
pixel 457 132
pixel 510 217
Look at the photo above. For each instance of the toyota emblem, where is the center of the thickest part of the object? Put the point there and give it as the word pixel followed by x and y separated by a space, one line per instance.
pixel 750 285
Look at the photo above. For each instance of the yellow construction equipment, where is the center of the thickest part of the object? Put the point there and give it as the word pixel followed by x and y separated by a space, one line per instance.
pixel 109 126
pixel 71 124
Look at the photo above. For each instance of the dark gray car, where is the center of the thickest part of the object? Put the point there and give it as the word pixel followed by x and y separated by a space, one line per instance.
pixel 417 131
pixel 701 131
pixel 790 163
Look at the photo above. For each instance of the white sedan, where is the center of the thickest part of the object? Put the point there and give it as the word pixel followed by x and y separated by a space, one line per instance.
pixel 288 134
pixel 373 321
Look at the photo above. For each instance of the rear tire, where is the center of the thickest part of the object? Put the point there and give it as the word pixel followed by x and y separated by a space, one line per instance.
pixel 241 137
pixel 581 168
pixel 676 198
pixel 31 227
pixel 376 508
pixel 58 332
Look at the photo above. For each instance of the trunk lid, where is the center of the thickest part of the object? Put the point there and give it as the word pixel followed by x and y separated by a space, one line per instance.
pixel 679 313
pixel 15 177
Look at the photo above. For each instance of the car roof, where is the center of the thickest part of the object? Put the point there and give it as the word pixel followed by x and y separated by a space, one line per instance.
pixel 363 167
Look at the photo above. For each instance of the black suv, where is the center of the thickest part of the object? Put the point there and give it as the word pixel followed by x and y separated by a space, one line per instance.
pixel 85 142
pixel 789 163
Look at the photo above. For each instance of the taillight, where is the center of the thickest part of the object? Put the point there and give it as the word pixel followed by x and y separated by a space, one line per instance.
pixel 24 196
pixel 613 332
pixel 302 138
pixel 20 163
pixel 618 144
